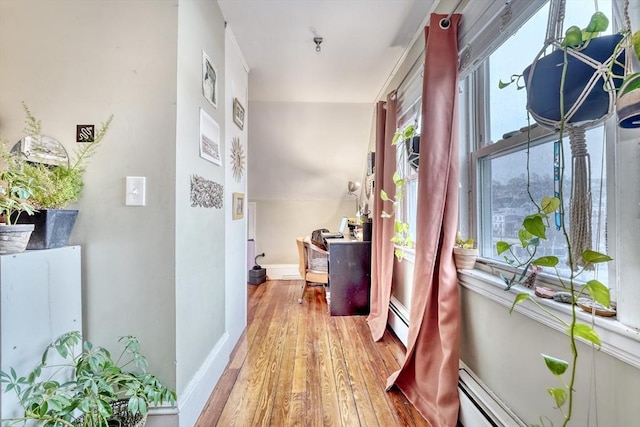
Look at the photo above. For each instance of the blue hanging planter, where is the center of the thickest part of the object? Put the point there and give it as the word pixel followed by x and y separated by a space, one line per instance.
pixel 543 91
pixel 628 105
pixel 413 151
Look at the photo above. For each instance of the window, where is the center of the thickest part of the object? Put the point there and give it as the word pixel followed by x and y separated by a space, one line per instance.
pixel 500 158
pixel 409 107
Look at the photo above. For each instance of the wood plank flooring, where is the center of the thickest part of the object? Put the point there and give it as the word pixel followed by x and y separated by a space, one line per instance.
pixel 297 366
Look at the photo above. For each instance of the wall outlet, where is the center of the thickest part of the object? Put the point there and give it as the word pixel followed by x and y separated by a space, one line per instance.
pixel 135 191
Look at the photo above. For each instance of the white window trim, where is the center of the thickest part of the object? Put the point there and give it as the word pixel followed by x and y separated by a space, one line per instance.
pixel 618 341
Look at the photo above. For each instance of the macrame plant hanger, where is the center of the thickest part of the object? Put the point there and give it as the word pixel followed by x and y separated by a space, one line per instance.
pixel 581 197
pixel 628 104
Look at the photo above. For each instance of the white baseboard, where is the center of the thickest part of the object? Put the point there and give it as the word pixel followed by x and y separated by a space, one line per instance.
pixel 399 320
pixel 282 272
pixel 193 399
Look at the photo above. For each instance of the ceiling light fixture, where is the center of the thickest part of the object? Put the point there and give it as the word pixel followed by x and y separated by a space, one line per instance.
pixel 317 41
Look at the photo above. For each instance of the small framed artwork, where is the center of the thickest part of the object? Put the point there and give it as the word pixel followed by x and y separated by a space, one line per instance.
pixel 209 80
pixel 238 205
pixel 209 139
pixel 238 113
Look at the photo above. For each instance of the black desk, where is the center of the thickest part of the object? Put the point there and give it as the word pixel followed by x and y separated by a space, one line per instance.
pixel 349 277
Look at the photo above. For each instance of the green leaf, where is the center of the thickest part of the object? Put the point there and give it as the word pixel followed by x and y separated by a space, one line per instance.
pixel 599 292
pixel 572 36
pixel 595 257
pixel 555 365
pixel 409 131
pixel 635 42
pixel 383 196
pixel 502 85
pixel 397 179
pixel 586 332
pixel 558 395
pixel 396 137
pixel 534 225
pixel 502 247
pixel 549 204
pixel 519 299
pixel 546 261
pixel 631 82
pixel 527 238
pixel 598 23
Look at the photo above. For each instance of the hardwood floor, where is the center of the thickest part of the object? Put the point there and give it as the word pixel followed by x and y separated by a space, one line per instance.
pixel 297 366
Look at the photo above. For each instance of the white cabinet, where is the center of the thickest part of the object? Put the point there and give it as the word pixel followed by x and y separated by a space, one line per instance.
pixel 41 299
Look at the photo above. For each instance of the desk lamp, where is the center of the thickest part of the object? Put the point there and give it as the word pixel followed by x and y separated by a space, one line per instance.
pixel 353 187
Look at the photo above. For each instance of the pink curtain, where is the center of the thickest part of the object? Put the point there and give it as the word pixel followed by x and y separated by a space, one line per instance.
pixel 429 376
pixel 381 245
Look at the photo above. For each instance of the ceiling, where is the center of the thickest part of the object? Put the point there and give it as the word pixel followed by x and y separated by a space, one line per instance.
pixel 311 113
pixel 363 40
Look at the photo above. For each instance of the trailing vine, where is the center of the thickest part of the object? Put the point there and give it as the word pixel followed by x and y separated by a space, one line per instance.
pixel 402 236
pixel 531 233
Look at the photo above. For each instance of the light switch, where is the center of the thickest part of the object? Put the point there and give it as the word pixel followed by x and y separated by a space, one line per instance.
pixel 135 191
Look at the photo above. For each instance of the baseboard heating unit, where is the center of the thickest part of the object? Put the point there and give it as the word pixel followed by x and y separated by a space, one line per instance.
pixel 479 407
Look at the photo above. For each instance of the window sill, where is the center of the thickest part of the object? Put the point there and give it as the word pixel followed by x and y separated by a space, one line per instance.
pixel 618 340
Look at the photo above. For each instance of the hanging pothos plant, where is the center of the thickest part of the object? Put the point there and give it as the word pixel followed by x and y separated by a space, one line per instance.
pixel 533 231
pixel 402 237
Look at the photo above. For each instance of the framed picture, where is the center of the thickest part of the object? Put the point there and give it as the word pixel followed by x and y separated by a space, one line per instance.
pixel 238 205
pixel 238 113
pixel 209 139
pixel 209 80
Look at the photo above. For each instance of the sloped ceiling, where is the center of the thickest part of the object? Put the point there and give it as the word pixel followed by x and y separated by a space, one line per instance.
pixel 311 113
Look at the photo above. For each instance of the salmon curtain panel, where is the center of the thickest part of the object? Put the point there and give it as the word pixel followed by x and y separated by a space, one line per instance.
pixel 382 247
pixel 429 376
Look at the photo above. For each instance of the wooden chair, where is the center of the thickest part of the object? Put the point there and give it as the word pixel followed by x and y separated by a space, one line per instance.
pixel 313 264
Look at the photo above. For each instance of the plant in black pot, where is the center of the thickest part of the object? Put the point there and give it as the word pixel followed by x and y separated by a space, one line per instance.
pixel 16 189
pixel 59 182
pixel 85 386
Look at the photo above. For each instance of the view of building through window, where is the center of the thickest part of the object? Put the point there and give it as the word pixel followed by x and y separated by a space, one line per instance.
pixel 505 174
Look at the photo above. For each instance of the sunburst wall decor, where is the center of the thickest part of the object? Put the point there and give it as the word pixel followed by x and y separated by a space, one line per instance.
pixel 237 158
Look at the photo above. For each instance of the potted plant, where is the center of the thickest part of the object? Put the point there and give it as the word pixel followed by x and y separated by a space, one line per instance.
pixel 59 184
pixel 402 236
pixel 16 188
pixel 464 252
pixel 528 262
pixel 74 386
pixel 593 72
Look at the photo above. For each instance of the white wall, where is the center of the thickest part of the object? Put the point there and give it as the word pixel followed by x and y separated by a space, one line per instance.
pixel 78 62
pixel 236 229
pixel 156 272
pixel 504 351
pixel 200 232
pixel 305 187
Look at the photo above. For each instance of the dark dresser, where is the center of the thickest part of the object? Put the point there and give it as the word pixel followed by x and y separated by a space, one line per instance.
pixel 349 277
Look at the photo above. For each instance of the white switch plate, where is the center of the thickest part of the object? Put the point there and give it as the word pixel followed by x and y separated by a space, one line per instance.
pixel 135 191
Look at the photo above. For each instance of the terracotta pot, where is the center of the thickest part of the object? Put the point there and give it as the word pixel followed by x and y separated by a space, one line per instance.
pixel 465 258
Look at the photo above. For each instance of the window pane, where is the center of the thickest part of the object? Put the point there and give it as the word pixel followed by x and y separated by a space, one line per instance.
pixel 510 201
pixel 508 105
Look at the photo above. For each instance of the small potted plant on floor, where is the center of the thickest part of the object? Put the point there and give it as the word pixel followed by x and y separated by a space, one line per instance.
pixel 59 184
pixel 16 188
pixel 74 386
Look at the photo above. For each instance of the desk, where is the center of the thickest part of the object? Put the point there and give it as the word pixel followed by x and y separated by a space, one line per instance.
pixel 349 276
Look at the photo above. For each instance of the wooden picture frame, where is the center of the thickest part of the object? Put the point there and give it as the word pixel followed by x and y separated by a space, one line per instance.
pixel 238 113
pixel 238 206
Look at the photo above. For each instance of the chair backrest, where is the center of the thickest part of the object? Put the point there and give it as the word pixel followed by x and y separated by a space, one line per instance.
pixel 302 257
